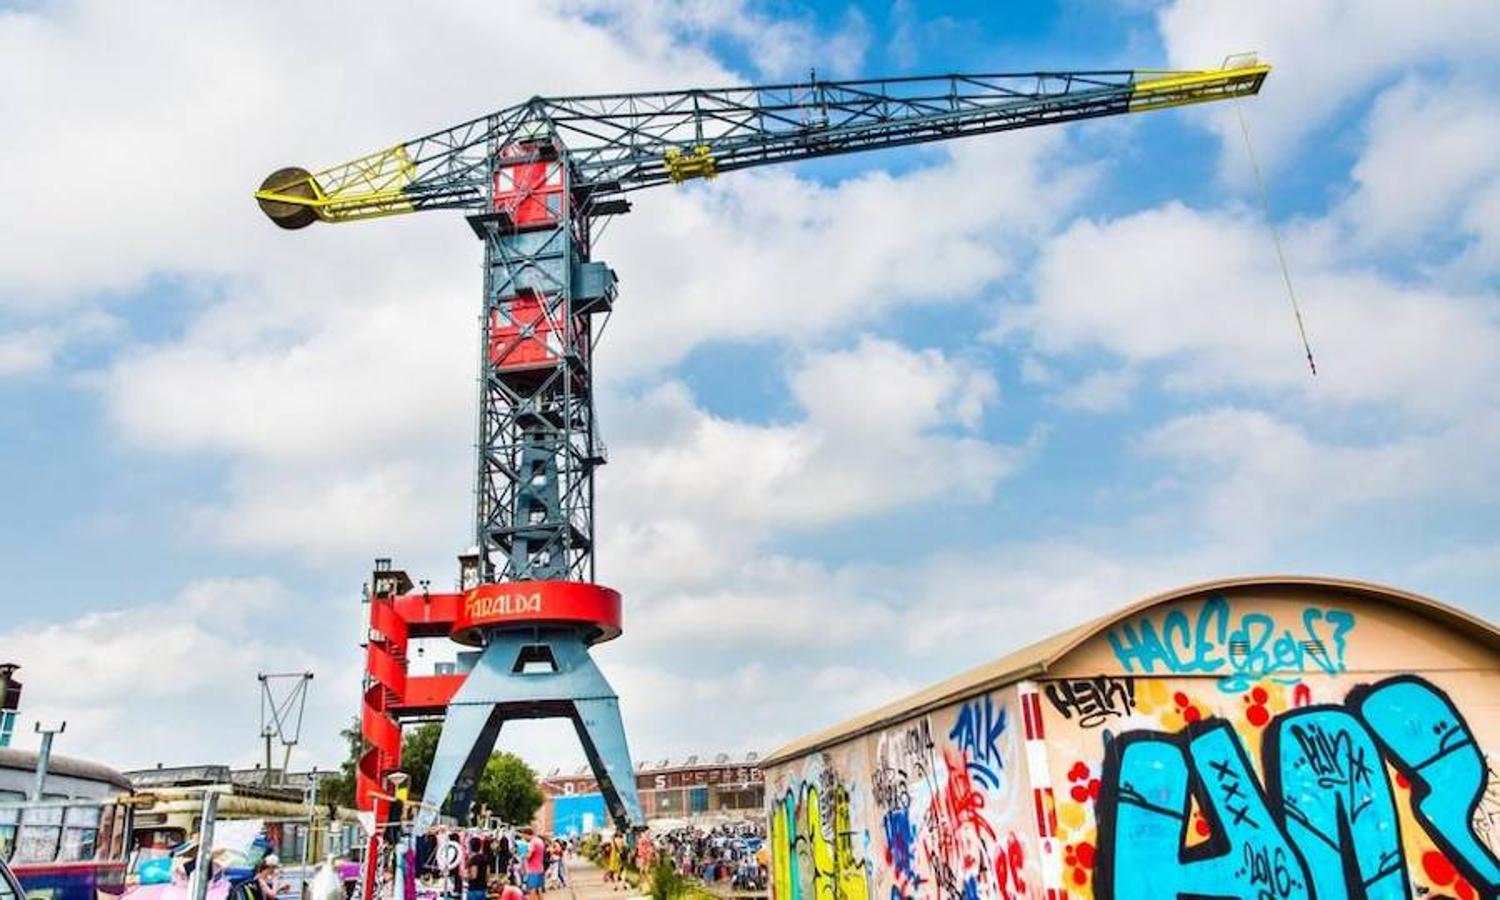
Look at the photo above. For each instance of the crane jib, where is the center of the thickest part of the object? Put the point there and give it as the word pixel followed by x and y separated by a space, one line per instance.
pixel 627 142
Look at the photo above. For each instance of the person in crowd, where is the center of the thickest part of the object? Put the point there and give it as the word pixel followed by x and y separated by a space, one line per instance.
pixel 607 856
pixel 617 856
pixel 558 869
pixel 265 883
pixel 520 847
pixel 536 866
pixel 477 870
pixel 455 877
pixel 504 853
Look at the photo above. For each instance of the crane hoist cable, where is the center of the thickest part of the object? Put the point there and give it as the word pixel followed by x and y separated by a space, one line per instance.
pixel 1265 205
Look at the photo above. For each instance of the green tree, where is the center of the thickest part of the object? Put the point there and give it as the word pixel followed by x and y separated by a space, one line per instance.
pixel 418 748
pixel 340 790
pixel 508 788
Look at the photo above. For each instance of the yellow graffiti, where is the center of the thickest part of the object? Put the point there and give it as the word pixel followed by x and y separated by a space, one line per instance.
pixel 781 842
pixel 800 842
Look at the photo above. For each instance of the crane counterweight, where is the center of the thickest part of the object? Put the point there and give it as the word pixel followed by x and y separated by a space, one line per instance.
pixel 279 195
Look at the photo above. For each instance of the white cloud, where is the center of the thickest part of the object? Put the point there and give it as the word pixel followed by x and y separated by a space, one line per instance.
pixel 1327 54
pixel 121 163
pixel 762 255
pixel 33 348
pixel 1100 392
pixel 1250 474
pixel 333 517
pixel 1429 172
pixel 1199 293
pixel 1479 562
pixel 752 706
pixel 883 427
pixel 171 681
pixel 331 370
pixel 27 350
pixel 783 47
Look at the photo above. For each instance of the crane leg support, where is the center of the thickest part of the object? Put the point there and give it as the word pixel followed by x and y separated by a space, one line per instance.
pixel 532 674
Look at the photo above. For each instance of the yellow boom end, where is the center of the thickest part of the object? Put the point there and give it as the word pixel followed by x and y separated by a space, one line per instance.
pixel 1158 90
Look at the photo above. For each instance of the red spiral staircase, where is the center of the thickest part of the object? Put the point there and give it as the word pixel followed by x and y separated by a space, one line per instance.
pixel 385 689
pixel 391 695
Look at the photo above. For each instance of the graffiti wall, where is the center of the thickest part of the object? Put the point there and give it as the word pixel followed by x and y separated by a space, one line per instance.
pixel 1281 742
pixel 930 808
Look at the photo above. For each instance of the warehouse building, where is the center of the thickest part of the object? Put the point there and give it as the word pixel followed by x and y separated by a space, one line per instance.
pixel 1274 737
pixel 693 789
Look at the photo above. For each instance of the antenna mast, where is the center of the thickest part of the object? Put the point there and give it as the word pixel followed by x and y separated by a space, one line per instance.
pixel 281 716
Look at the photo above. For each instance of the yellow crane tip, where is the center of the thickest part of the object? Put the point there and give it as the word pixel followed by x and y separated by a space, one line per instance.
pixel 279 195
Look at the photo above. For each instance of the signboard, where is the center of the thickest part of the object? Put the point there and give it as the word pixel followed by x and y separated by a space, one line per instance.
pixel 537 603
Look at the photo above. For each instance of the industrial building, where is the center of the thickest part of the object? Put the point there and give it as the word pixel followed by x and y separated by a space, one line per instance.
pixel 693 789
pixel 1274 736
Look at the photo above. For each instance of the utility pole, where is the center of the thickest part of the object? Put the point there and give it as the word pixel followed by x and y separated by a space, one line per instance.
pixel 44 757
pixel 312 821
pixel 281 717
pixel 202 868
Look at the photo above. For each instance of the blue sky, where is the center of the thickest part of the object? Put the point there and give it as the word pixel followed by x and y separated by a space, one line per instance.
pixel 872 419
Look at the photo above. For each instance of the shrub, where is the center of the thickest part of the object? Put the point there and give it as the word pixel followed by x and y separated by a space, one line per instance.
pixel 666 882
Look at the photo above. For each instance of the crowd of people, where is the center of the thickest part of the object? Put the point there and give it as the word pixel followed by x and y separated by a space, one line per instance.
pixel 512 864
pixel 736 853
pixel 522 864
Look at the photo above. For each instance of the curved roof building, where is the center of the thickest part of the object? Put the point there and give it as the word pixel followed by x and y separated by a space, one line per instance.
pixel 1274 736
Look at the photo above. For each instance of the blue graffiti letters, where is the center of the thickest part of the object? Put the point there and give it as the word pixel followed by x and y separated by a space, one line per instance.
pixel 1326 825
pixel 977 735
pixel 1428 741
pixel 1337 805
pixel 1240 648
pixel 1141 825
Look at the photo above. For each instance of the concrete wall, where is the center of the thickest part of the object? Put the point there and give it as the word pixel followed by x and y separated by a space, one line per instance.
pixel 921 809
pixel 1261 742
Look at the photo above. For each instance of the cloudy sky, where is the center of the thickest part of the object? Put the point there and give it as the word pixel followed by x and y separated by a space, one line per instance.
pixel 871 420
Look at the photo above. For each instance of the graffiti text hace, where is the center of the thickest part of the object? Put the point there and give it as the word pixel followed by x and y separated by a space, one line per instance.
pixel 1243 648
pixel 1323 826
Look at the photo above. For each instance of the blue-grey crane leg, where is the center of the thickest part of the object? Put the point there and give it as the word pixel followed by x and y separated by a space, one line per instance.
pixel 603 735
pixel 468 738
pixel 534 674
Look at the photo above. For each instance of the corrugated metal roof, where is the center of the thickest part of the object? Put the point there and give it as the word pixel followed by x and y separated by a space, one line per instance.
pixel 1037 658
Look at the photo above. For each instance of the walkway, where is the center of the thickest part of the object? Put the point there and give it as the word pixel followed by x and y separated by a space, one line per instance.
pixel 586 882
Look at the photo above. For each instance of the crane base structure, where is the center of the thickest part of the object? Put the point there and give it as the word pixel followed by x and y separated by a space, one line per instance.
pixel 532 662
pixel 503 687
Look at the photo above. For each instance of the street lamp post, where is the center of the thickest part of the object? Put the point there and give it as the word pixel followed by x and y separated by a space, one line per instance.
pixel 397 781
pixel 44 757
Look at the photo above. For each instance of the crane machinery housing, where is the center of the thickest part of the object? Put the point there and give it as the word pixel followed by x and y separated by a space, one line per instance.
pixel 536 180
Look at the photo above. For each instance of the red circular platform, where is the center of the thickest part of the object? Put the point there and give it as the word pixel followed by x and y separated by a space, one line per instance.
pixel 538 603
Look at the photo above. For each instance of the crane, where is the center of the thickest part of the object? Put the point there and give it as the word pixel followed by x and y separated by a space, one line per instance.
pixel 536 180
